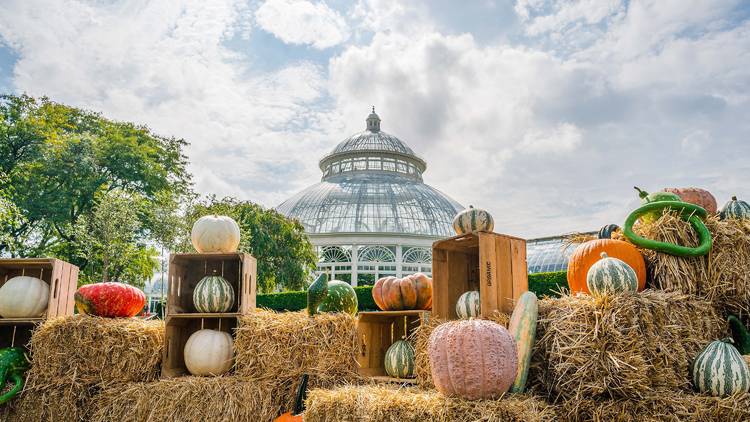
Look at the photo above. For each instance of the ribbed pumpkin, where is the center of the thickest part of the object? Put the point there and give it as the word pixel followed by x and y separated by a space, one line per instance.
pixel 736 209
pixel 209 352
pixel 473 220
pixel 110 299
pixel 697 196
pixel 213 294
pixel 468 305
pixel 522 327
pixel 611 275
pixel 588 253
pixel 399 360
pixel 24 297
pixel 396 294
pixel 215 233
pixel 720 370
pixel 607 231
pixel 472 359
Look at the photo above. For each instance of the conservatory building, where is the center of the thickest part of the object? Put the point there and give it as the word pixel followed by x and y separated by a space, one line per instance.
pixel 372 215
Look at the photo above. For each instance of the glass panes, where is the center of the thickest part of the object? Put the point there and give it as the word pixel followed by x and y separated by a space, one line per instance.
pixel 546 255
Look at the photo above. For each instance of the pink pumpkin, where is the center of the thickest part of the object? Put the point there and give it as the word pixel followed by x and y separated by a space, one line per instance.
pixel 472 359
pixel 696 196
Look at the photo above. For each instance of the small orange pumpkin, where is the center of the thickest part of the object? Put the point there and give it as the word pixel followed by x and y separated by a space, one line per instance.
pixel 588 253
pixel 397 294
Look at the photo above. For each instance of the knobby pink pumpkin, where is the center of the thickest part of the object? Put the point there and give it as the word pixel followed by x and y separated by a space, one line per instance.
pixel 472 359
pixel 697 196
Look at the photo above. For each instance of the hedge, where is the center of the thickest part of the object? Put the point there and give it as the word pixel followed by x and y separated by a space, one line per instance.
pixel 543 284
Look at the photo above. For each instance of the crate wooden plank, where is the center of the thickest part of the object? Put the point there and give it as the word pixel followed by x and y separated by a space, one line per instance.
pixel 377 331
pixel 17 334
pixel 490 257
pixel 177 331
pixel 520 269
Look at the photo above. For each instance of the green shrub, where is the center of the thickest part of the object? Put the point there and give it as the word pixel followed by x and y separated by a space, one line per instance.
pixel 543 284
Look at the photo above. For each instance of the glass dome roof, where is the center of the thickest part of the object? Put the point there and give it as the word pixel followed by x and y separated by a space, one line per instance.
pixel 372 183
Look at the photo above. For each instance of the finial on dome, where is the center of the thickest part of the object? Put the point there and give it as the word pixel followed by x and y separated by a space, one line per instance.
pixel 373 121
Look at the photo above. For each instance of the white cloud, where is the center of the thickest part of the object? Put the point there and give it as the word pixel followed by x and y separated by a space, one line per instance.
pixel 302 22
pixel 561 138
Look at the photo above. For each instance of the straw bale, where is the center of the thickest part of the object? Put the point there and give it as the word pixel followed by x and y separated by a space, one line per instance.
pixel 420 338
pixel 193 399
pixel 91 350
pixel 388 403
pixel 61 402
pixel 271 345
pixel 619 346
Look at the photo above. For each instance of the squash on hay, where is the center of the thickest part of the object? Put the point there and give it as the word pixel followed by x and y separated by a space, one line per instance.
pixel 588 253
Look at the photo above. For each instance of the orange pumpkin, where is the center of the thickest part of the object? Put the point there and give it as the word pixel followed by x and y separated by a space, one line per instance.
pixel 397 294
pixel 289 417
pixel 588 253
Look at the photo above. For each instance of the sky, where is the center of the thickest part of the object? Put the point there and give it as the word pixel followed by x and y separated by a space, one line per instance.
pixel 544 112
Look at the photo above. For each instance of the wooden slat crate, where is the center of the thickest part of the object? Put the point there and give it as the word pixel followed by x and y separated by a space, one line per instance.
pixel 377 332
pixel 494 264
pixel 186 270
pixel 62 278
pixel 178 329
pixel 16 334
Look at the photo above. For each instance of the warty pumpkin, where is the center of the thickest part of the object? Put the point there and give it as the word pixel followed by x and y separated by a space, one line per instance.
pixel 588 253
pixel 696 196
pixel 396 294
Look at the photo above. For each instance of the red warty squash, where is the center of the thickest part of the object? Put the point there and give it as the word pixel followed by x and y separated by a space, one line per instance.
pixel 397 294
pixel 697 196
pixel 588 253
pixel 112 300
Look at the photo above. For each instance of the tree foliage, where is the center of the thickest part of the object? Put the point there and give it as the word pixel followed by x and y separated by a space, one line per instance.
pixel 285 255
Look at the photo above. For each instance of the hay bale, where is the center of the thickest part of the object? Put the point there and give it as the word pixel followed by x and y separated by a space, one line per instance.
pixel 383 403
pixel 90 350
pixel 61 402
pixel 193 399
pixel 271 346
pixel 621 346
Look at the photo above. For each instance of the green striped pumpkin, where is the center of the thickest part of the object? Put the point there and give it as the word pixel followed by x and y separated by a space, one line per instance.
pixel 611 275
pixel 468 305
pixel 735 209
pixel 720 370
pixel 399 360
pixel 341 297
pixel 213 294
pixel 473 220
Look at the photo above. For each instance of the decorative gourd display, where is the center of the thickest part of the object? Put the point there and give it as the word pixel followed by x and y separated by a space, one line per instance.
pixel 696 196
pixel 607 231
pixel 468 305
pixel 316 293
pixel 736 209
pixel 13 366
pixel 720 370
pixel 588 253
pixel 341 297
pixel 740 335
pixel 472 359
pixel 296 415
pixel 399 360
pixel 688 212
pixel 111 300
pixel 23 297
pixel 215 233
pixel 647 198
pixel 213 294
pixel 209 352
pixel 522 327
pixel 611 275
pixel 396 294
pixel 472 220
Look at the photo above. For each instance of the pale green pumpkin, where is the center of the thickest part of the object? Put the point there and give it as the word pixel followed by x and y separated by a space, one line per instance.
pixel 611 275
pixel 399 360
pixel 468 305
pixel 213 294
pixel 720 370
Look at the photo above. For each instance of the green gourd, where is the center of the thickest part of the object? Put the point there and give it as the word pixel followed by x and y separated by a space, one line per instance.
pixel 13 365
pixel 647 198
pixel 689 212
pixel 317 293
pixel 740 335
pixel 522 327
pixel 340 297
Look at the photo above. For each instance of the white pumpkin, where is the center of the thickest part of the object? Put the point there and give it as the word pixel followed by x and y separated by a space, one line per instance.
pixel 209 352
pixel 215 233
pixel 23 297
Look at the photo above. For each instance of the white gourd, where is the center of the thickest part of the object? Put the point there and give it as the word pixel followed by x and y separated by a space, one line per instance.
pixel 209 352
pixel 23 297
pixel 215 233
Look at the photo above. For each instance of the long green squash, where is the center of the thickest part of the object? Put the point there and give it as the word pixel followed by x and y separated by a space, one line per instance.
pixel 740 335
pixel 689 212
pixel 522 327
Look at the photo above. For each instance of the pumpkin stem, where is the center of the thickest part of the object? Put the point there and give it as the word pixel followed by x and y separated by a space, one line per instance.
pixel 734 198
pixel 471 206
pixel 641 193
pixel 603 255
pixel 729 340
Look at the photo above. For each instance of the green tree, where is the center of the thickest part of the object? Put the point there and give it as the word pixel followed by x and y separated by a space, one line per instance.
pixel 60 162
pixel 10 217
pixel 285 255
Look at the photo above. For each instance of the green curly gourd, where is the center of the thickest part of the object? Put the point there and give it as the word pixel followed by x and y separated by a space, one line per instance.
pixel 740 335
pixel 13 365
pixel 317 293
pixel 688 212
pixel 647 198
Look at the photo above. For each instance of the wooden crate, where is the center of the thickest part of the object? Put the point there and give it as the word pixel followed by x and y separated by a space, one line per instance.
pixel 62 278
pixel 177 330
pixel 15 334
pixel 494 264
pixel 377 332
pixel 186 270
